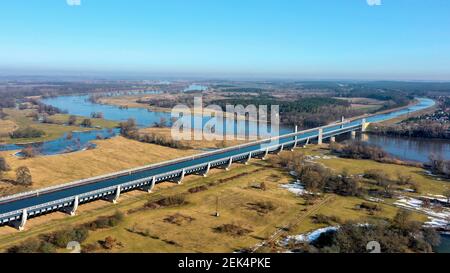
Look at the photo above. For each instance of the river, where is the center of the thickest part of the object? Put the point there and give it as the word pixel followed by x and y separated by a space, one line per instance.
pixel 411 149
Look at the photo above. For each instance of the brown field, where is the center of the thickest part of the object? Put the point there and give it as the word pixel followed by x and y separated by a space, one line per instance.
pixel 111 155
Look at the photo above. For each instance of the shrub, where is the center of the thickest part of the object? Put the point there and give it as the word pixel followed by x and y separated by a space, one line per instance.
pixel 263 206
pixel 46 247
pixel 232 229
pixel 23 176
pixel 324 219
pixel 263 186
pixel 359 150
pixel 106 221
pixel 29 246
pixel 27 132
pixel 376 174
pixel 72 120
pixel 197 189
pixel 170 201
pixel 178 219
pixel 28 152
pixel 3 165
pixel 62 238
pixel 89 248
pixel 403 179
pixel 86 123
pixel 129 129
pixel 369 206
pixel 96 115
pixel 110 243
pixel 69 136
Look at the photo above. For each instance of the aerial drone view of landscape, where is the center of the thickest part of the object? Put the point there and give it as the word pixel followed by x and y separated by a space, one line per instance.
pixel 243 127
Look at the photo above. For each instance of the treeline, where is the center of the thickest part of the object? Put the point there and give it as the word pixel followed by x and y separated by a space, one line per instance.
pixel 324 115
pixel 40 107
pixel 400 235
pixel 392 98
pixel 243 90
pixel 422 128
pixel 130 130
pixel 27 132
pixel 305 112
pixel 362 150
pixel 317 178
pixel 308 105
pixel 440 166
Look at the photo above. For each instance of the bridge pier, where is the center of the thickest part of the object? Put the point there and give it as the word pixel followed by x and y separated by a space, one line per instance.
pixel 295 138
pixel 72 209
pixel 332 139
pixel 320 137
pixel 264 157
pixel 116 196
pixel 281 149
pixel 353 135
pixel 248 158
pixel 230 161
pixel 150 187
pixel 306 143
pixel 181 178
pixel 364 125
pixel 295 145
pixel 208 167
pixel 20 224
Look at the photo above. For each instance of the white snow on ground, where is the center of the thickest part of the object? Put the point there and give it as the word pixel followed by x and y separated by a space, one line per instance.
pixel 409 203
pixel 440 198
pixel 429 173
pixel 308 237
pixel 373 199
pixel 295 187
pixel 315 157
pixel 436 218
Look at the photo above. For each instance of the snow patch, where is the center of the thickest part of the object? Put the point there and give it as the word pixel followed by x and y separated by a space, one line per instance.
pixel 308 237
pixel 296 188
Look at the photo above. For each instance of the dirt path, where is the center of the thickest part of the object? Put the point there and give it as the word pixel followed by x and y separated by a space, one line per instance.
pixel 302 216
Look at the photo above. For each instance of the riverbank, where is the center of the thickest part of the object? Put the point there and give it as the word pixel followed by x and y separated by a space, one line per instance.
pixel 56 128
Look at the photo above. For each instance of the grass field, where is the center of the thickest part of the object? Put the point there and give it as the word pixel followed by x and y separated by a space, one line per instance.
pixel 237 195
pixel 96 122
pixel 427 184
pixel 6 127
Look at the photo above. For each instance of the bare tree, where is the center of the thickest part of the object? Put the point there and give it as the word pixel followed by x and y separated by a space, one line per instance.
pixel 23 176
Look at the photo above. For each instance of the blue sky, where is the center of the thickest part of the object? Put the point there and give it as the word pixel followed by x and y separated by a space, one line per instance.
pixel 307 39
